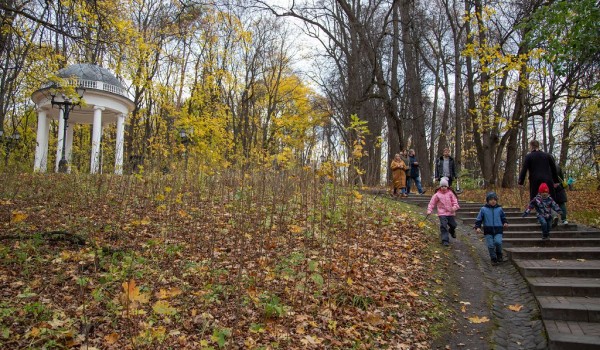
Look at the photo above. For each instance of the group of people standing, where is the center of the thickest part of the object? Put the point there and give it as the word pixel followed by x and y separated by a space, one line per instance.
pixel 547 193
pixel 405 171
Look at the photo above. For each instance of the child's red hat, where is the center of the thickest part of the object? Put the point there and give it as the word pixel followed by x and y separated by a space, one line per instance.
pixel 543 188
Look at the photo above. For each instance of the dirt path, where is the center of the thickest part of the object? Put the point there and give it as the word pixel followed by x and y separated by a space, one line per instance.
pixel 487 291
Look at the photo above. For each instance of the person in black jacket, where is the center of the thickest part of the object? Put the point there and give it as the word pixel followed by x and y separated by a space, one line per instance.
pixel 415 173
pixel 561 195
pixel 541 168
pixel 444 167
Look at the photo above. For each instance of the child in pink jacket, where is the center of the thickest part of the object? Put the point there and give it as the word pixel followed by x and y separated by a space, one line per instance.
pixel 447 205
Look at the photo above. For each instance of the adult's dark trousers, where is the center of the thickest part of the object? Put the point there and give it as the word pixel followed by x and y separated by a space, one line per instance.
pixel 535 185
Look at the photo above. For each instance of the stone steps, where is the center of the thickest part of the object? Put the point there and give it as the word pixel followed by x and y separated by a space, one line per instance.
pixel 572 335
pixel 563 273
pixel 558 268
pixel 554 234
pixel 565 286
pixel 579 309
pixel 510 212
pixel 573 253
pixel 510 242
pixel 509 216
pixel 536 227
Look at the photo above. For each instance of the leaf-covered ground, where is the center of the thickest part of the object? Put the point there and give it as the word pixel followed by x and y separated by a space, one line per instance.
pixel 253 260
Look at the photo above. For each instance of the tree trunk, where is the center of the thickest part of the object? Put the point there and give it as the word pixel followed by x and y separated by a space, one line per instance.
pixel 510 171
pixel 415 94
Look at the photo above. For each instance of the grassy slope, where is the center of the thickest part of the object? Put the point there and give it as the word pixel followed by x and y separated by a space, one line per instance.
pixel 236 260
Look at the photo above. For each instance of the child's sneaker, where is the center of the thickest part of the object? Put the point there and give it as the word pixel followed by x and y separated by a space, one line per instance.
pixel 565 222
pixel 445 244
pixel 495 262
pixel 545 237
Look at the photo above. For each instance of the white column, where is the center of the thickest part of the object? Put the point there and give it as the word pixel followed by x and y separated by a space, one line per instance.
pixel 69 146
pixel 41 147
pixel 44 165
pixel 96 135
pixel 59 139
pixel 119 145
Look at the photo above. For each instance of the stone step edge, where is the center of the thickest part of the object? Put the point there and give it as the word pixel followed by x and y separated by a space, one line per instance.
pixel 570 305
pixel 558 239
pixel 572 284
pixel 553 249
pixel 558 339
pixel 582 267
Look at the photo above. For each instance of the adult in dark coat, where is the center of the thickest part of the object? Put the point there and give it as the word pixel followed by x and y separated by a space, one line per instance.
pixel 444 167
pixel 415 173
pixel 541 168
pixel 561 195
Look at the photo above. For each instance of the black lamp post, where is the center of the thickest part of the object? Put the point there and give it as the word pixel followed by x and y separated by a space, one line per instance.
pixel 9 142
pixel 184 135
pixel 66 105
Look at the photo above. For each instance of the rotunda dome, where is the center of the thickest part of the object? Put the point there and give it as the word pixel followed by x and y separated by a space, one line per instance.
pixel 87 71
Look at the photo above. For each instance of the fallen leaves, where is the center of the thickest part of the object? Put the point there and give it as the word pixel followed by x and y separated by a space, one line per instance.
pixel 515 308
pixel 132 297
pixel 111 338
pixel 168 293
pixel 477 319
pixel 196 271
pixel 17 216
pixel 311 340
pixel 463 306
pixel 163 307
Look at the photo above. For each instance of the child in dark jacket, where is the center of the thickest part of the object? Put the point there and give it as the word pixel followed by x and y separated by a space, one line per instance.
pixel 543 205
pixel 492 216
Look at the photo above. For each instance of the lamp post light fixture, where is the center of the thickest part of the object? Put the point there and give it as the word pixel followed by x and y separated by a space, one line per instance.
pixel 66 105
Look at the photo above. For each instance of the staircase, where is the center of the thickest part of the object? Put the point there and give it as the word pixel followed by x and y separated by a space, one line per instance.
pixel 563 273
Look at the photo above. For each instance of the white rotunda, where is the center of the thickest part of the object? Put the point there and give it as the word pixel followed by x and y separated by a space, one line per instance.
pixel 106 101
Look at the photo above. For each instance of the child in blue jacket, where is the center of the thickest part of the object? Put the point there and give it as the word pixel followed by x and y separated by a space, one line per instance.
pixel 492 216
